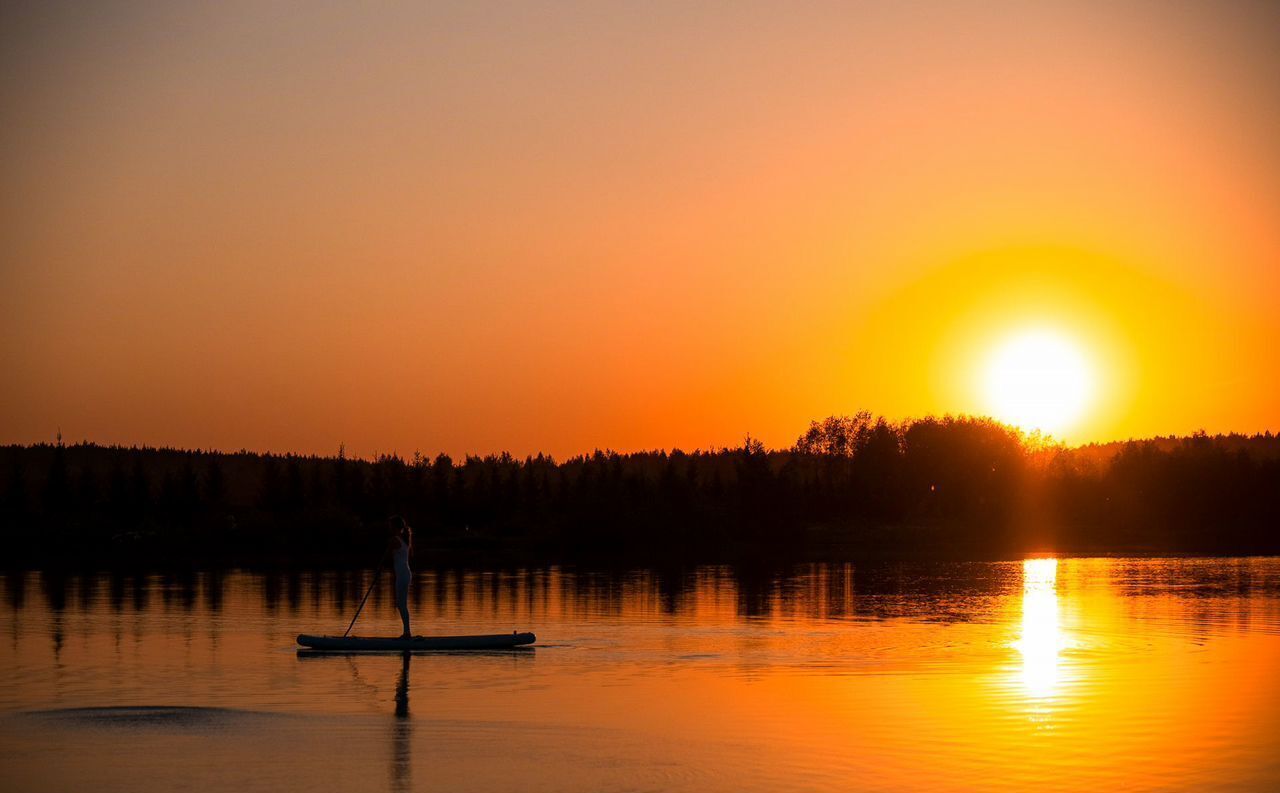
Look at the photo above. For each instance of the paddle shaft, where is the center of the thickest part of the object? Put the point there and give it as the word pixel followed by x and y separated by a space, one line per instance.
pixel 369 592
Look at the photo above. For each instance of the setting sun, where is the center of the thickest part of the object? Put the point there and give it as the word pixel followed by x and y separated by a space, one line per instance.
pixel 1039 380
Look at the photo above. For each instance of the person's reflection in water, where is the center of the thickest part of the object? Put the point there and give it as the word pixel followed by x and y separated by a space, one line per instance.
pixel 402 732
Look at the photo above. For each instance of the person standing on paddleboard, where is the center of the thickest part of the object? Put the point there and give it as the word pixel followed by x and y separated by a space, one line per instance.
pixel 400 546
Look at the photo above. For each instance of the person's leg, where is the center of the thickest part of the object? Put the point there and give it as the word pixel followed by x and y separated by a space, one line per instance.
pixel 402 604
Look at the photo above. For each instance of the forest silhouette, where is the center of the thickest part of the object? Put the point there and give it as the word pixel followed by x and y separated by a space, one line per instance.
pixel 851 486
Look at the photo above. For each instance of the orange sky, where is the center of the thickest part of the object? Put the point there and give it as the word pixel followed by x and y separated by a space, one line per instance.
pixel 484 227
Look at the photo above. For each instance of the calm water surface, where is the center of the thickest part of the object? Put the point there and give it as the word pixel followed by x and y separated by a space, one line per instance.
pixel 1041 674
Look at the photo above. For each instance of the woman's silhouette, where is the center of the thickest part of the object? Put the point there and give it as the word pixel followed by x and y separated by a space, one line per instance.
pixel 400 544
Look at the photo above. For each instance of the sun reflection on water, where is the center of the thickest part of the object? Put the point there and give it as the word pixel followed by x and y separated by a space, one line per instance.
pixel 1042 640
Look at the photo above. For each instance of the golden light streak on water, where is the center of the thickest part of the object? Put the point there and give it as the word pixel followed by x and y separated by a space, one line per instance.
pixel 1042 639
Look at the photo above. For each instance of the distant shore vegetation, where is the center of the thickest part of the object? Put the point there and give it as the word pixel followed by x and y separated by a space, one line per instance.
pixel 854 486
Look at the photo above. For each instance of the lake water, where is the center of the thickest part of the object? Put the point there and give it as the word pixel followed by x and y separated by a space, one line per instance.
pixel 1042 674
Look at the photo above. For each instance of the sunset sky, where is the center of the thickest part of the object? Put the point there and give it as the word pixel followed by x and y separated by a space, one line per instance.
pixel 557 227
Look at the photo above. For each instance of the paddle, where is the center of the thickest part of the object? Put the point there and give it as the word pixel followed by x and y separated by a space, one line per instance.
pixel 372 584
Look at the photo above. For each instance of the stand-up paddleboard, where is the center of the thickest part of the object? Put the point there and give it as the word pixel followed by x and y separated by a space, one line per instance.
pixel 351 644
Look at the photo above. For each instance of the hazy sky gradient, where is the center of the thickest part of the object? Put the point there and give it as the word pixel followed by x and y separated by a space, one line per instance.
pixel 478 227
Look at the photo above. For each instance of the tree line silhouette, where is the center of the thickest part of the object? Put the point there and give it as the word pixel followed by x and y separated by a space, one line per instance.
pixel 851 486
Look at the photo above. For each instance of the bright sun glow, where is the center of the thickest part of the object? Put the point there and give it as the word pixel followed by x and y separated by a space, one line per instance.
pixel 1038 380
